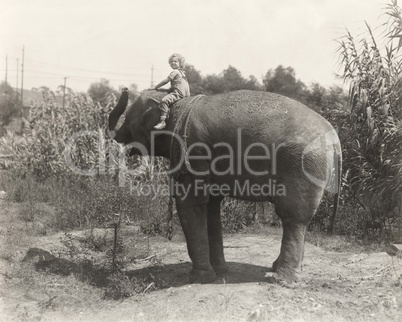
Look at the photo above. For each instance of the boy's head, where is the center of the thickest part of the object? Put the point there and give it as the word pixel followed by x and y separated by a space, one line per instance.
pixel 176 61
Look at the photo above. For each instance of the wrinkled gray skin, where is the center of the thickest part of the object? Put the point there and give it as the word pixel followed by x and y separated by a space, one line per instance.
pixel 265 118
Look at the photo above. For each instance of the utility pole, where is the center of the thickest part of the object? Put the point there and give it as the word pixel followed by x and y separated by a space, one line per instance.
pixel 16 88
pixel 22 77
pixel 6 85
pixel 6 68
pixel 152 76
pixel 64 91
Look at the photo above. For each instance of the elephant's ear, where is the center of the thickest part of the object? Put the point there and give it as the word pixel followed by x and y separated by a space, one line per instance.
pixel 151 116
pixel 152 103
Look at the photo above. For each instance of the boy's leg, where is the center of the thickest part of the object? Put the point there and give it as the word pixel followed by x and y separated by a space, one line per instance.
pixel 164 105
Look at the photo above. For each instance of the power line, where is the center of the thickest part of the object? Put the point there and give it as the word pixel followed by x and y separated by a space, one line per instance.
pixel 83 69
pixel 29 71
pixel 132 78
pixel 78 76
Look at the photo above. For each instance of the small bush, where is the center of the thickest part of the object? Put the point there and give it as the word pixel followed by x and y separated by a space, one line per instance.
pixel 237 215
pixel 120 286
pixel 97 243
pixel 23 189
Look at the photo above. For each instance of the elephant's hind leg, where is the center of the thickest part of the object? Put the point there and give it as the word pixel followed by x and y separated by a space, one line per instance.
pixel 288 265
pixel 295 213
pixel 215 239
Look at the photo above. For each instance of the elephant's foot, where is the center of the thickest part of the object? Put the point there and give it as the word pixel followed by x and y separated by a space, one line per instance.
pixel 221 268
pixel 283 273
pixel 200 276
pixel 275 265
pixel 289 277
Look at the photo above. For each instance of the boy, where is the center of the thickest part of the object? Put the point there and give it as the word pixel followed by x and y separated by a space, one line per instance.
pixel 179 87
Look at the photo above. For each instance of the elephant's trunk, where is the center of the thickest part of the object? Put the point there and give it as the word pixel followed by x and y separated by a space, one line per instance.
pixel 118 110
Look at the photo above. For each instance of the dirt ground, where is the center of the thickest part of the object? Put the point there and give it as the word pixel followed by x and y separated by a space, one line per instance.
pixel 336 286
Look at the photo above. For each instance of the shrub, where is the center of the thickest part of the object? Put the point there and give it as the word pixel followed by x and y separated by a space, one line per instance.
pixel 237 215
pixel 371 133
pixel 43 164
pixel 9 104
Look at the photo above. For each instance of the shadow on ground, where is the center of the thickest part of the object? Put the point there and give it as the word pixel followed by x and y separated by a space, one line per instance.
pixel 126 283
pixel 175 275
pixel 163 276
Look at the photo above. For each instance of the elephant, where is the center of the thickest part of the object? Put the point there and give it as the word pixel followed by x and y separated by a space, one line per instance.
pixel 229 143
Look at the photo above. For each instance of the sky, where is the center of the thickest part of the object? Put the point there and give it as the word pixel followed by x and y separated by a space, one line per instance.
pixel 120 40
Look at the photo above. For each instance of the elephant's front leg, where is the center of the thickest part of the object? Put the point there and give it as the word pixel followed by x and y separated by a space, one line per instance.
pixel 193 216
pixel 217 257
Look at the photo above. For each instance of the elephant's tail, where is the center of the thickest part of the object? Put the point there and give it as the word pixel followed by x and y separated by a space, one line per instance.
pixel 119 109
pixel 338 170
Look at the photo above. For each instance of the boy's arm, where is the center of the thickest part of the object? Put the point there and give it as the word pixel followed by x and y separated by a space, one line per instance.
pixel 164 82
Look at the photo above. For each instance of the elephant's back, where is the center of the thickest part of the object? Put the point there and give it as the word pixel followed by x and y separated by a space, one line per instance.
pixel 262 131
pixel 260 114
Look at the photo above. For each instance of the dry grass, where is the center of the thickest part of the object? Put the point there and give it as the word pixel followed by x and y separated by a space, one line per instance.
pixel 338 286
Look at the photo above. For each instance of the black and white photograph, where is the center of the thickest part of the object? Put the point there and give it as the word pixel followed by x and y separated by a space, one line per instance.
pixel 201 160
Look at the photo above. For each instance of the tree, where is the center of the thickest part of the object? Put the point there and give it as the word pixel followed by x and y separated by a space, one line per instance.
pixel 283 81
pixel 253 84
pixel 44 89
pixel 229 80
pixel 233 79
pixel 194 79
pixel 10 105
pixel 316 97
pixel 336 98
pixel 100 91
pixel 213 84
